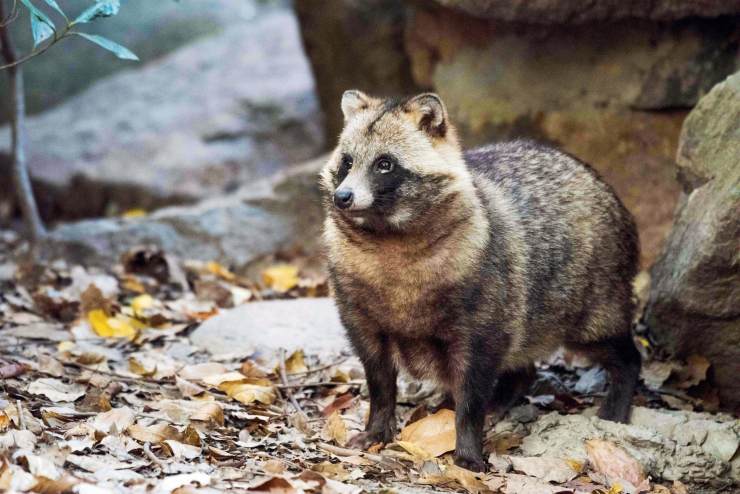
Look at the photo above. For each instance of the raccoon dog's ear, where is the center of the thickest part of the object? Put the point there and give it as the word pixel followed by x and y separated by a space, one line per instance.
pixel 429 114
pixel 354 101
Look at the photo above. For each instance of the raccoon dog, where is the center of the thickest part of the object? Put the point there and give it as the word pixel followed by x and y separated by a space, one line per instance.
pixel 465 267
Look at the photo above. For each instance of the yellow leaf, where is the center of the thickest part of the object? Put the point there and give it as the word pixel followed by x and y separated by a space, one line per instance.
pixel 130 283
pixel 616 488
pixel 113 327
pixel 4 421
pixel 134 213
pixel 415 450
pixel 141 303
pixel 140 369
pixel 434 434
pixel 576 465
pixel 296 363
pixel 336 428
pixel 643 341
pixel 222 272
pixel 249 393
pixel 281 277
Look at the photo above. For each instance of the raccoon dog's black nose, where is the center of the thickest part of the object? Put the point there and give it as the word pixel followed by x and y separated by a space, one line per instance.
pixel 343 198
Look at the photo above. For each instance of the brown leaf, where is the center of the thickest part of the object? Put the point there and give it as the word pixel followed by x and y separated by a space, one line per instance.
pixel 93 299
pixel 275 485
pixel 209 412
pixel 694 372
pixel 341 402
pixel 214 291
pixel 678 487
pixel 614 462
pixel 154 434
pixel 467 479
pixel 13 369
pixel 434 434
pixel 114 421
pixel 336 428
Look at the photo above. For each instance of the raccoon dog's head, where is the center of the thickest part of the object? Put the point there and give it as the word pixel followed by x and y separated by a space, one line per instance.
pixel 396 161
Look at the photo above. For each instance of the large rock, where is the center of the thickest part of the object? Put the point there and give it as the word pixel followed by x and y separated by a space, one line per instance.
pixel 309 324
pixel 575 11
pixel 149 29
pixel 203 120
pixel 694 304
pixel 589 88
pixel 282 213
pixel 354 44
pixel 695 448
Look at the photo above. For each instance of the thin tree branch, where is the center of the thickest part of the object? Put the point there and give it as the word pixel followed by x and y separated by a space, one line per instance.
pixel 21 180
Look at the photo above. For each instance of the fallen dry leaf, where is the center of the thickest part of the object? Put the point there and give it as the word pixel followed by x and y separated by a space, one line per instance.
pixel 434 435
pixel 465 478
pixel 222 272
pixel 296 363
pixel 242 388
pixel 119 326
pixel 281 277
pixel 336 428
pixel 113 421
pixel 17 439
pixel 615 463
pixel 56 390
pixel 695 371
pixel 177 449
pixel 198 372
pixel 12 369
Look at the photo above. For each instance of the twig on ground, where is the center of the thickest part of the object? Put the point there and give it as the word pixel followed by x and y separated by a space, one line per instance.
pixel 284 379
pixel 321 368
pixel 148 452
pixel 319 385
pixel 122 377
pixel 339 451
pixel 19 409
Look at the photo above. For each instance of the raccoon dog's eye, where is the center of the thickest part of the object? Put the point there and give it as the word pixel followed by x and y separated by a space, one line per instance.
pixel 384 166
pixel 346 162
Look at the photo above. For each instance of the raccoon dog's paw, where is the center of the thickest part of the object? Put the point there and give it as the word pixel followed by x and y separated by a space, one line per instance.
pixel 473 463
pixel 364 440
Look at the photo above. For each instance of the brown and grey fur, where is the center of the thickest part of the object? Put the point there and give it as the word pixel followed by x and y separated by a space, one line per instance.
pixel 467 267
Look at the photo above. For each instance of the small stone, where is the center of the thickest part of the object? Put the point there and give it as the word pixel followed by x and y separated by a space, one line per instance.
pixel 308 324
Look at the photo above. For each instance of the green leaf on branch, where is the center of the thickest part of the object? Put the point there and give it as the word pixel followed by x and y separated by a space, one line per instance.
pixel 42 27
pixel 101 8
pixel 118 50
pixel 54 5
pixel 40 30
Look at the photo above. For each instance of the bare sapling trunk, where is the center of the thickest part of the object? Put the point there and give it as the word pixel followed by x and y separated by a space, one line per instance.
pixel 21 180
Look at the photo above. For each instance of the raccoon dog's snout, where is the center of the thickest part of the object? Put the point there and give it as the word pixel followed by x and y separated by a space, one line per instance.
pixel 343 198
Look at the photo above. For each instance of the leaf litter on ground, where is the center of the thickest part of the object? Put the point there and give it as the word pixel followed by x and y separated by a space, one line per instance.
pixel 103 392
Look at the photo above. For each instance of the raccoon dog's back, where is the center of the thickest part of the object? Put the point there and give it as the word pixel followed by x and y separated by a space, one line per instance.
pixel 577 241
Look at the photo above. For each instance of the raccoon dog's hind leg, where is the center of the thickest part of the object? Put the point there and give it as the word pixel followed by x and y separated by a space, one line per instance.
pixel 510 387
pixel 621 360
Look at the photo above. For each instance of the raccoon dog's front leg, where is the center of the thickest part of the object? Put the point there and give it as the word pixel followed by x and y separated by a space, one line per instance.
pixel 381 373
pixel 472 395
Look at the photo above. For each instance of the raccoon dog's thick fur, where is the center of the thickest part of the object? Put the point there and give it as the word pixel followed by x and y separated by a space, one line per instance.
pixel 467 267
